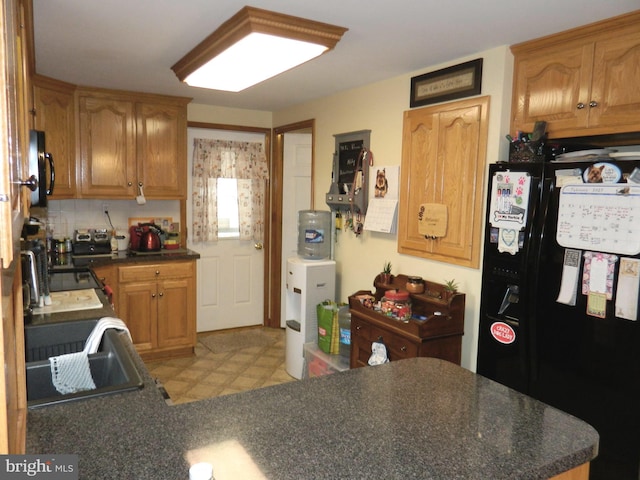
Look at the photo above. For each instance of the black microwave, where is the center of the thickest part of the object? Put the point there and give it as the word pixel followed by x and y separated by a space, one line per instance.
pixel 41 166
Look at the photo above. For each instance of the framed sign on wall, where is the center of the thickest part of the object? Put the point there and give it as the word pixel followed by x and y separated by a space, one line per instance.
pixel 450 83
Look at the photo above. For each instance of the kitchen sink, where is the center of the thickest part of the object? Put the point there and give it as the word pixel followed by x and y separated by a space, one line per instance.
pixel 112 367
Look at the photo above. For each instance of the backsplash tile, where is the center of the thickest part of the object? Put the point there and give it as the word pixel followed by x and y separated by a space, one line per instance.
pixel 65 216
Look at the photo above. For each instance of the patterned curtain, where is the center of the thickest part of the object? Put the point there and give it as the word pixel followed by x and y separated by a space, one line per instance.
pixel 244 161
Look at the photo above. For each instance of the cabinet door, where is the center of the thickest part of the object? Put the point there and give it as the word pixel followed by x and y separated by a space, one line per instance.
pixel 552 85
pixel 162 143
pixel 360 342
pixel 54 103
pixel 360 352
pixel 138 307
pixel 616 83
pixel 176 312
pixel 443 159
pixel 107 148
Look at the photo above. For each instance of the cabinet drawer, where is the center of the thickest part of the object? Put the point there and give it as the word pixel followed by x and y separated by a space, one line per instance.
pixel 397 347
pixel 159 271
pixel 360 328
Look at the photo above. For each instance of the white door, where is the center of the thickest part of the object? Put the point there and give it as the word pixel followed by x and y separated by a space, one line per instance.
pixel 230 271
pixel 295 197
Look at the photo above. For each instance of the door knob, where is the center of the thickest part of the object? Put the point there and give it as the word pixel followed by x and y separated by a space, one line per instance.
pixel 258 246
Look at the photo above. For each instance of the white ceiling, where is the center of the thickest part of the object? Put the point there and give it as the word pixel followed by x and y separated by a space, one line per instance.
pixel 132 44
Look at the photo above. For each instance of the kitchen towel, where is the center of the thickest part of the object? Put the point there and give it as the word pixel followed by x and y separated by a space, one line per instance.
pixel 95 337
pixel 70 373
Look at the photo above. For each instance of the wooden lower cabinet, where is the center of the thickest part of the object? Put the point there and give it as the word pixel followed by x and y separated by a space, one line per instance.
pixel 438 336
pixel 158 304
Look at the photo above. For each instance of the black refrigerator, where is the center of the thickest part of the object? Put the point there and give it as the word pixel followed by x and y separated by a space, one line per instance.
pixel 559 308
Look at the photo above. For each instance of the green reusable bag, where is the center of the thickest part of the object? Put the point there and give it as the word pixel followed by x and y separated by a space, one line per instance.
pixel 327 314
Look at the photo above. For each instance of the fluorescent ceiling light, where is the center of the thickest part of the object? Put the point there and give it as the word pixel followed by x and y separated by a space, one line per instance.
pixel 252 46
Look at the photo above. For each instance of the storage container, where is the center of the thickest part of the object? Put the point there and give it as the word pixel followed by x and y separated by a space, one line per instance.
pixel 396 304
pixel 319 363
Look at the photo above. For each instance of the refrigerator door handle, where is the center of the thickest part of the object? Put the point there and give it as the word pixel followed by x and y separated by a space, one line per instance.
pixel 512 295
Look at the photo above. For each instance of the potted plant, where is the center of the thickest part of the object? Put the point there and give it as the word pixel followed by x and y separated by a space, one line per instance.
pixel 450 288
pixel 385 276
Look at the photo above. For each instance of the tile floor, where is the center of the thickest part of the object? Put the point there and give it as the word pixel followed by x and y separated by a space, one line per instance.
pixel 207 374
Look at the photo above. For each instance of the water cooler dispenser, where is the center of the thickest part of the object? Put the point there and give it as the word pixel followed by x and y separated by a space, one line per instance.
pixel 310 279
pixel 309 282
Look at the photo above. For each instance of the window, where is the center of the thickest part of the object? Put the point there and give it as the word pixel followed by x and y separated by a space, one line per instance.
pixel 228 218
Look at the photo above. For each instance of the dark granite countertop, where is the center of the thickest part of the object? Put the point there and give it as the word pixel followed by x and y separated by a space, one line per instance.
pixel 418 418
pixel 124 257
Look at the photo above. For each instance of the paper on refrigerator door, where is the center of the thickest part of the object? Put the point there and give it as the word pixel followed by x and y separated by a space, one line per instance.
pixel 570 277
pixel 508 240
pixel 628 286
pixel 598 273
pixel 509 200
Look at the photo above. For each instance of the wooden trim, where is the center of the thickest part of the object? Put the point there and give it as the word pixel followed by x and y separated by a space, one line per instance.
pixel 131 96
pixel 267 320
pixel 276 178
pixel 53 83
pixel 27 25
pixel 579 33
pixel 234 128
pixel 254 20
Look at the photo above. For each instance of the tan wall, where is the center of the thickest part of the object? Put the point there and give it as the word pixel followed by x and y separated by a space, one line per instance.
pixel 379 107
pixel 229 116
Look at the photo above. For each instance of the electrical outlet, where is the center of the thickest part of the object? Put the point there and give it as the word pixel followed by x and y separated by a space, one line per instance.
pixel 105 207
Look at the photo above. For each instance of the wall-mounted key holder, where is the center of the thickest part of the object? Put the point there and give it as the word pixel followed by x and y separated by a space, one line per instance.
pixel 350 175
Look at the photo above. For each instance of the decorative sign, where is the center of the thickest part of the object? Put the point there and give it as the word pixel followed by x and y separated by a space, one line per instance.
pixel 503 333
pixel 432 220
pixel 459 81
pixel 348 153
pixel 600 217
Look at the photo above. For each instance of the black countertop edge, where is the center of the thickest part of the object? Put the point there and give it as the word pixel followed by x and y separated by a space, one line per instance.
pixel 416 418
pixel 124 257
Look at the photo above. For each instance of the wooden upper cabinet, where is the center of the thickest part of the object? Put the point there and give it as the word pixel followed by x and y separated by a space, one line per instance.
pixel 162 149
pixel 129 141
pixel 107 147
pixel 581 82
pixel 54 108
pixel 443 159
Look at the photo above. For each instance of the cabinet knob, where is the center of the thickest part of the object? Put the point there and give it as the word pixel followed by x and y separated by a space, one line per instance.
pixel 129 184
pixel 31 183
pixel 593 103
pixel 161 294
pixel 157 272
pixel 358 327
pixel 153 295
pixel 580 106
pixel 403 348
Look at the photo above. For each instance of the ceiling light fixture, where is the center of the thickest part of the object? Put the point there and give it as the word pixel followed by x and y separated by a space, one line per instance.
pixel 252 46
